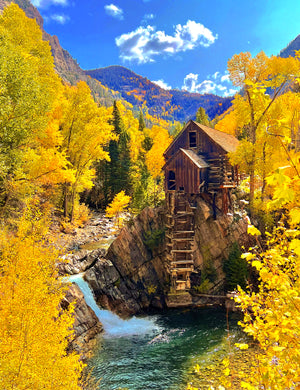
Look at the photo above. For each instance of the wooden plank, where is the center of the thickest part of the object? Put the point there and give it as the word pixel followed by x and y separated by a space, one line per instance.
pixel 183 270
pixel 183 239
pixel 182 251
pixel 182 262
pixel 184 231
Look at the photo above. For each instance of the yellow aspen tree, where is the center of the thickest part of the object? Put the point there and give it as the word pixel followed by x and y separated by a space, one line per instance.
pixel 272 314
pixel 34 331
pixel 262 79
pixel 155 159
pixel 117 206
pixel 85 131
pixel 29 86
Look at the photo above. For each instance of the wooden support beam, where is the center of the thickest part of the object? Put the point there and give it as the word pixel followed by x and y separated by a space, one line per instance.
pixel 183 270
pixel 182 251
pixel 183 239
pixel 182 262
pixel 184 231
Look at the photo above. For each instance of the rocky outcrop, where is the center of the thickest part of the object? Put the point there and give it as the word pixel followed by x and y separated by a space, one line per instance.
pixel 80 261
pixel 86 324
pixel 133 277
pixel 214 239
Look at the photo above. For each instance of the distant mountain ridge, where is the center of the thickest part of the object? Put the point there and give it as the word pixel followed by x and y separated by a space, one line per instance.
pixel 170 104
pixel 106 83
pixel 117 82
pixel 291 47
pixel 66 66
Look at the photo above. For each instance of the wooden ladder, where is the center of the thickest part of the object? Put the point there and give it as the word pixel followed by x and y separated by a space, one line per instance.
pixel 180 240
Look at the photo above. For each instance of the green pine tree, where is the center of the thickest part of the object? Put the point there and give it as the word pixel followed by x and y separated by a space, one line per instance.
pixel 201 117
pixel 119 152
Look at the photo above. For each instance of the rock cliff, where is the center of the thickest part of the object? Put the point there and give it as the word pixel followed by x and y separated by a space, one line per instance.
pixel 86 325
pixel 133 276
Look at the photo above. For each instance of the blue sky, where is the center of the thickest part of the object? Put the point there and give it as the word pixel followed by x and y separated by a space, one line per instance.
pixel 182 44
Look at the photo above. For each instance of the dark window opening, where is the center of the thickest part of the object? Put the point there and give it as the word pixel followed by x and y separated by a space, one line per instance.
pixel 171 181
pixel 193 139
pixel 181 188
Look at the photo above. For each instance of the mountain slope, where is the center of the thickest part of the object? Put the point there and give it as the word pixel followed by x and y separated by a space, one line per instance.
pixel 170 104
pixel 291 47
pixel 106 82
pixel 66 66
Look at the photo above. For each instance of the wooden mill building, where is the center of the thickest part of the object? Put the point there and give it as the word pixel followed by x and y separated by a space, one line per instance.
pixel 196 164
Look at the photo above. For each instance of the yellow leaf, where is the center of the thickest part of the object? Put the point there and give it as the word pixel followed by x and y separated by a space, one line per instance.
pixel 257 264
pixel 253 230
pixel 295 246
pixel 241 346
pixel 295 215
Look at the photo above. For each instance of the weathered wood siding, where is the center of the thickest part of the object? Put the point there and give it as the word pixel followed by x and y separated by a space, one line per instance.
pixel 187 174
pixel 178 143
pixel 188 177
pixel 204 145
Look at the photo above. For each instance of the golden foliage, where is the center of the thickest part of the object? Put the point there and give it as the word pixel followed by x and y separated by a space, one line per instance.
pixel 154 158
pixel 34 331
pixel 272 315
pixel 119 204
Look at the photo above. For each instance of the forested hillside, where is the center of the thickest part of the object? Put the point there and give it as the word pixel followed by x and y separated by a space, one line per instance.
pixel 66 66
pixel 168 104
pixel 291 48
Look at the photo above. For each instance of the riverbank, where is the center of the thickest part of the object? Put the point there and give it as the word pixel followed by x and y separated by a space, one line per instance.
pixel 226 366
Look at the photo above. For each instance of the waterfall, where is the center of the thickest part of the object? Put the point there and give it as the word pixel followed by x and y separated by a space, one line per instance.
pixel 113 325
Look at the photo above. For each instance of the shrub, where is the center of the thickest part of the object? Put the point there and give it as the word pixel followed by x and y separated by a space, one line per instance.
pixel 235 269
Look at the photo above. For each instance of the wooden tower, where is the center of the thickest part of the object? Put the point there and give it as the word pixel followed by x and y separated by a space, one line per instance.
pixel 196 163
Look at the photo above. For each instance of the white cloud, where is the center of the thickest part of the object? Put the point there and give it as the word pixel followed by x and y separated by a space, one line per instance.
pixel 62 19
pixel 215 75
pixel 191 83
pixel 48 3
pixel 162 84
pixel 114 11
pixel 147 17
pixel 225 78
pixel 145 43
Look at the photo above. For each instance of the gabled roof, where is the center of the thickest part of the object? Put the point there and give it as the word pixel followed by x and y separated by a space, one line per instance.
pixel 226 141
pixel 197 160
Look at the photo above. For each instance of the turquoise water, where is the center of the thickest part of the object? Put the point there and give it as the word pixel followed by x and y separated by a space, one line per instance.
pixel 159 351
pixel 162 356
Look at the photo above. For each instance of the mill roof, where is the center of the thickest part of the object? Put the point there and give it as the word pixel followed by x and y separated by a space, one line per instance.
pixel 226 141
pixel 197 160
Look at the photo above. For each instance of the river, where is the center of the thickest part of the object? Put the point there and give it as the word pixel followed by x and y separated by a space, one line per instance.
pixel 158 351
